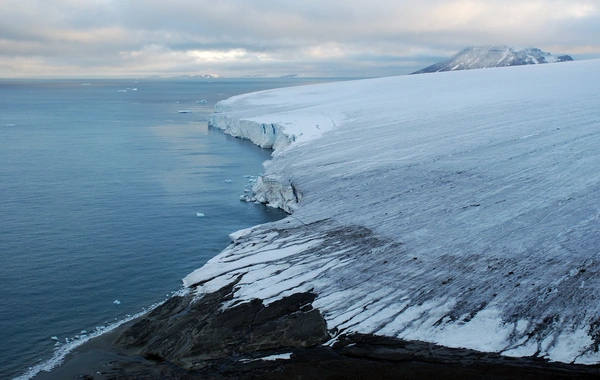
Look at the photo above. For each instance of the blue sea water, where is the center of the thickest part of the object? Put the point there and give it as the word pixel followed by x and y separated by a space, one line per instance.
pixel 99 190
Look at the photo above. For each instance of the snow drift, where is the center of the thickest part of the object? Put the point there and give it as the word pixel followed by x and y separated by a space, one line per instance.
pixel 458 208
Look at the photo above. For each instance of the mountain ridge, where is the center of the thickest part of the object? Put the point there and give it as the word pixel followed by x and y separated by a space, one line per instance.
pixel 488 56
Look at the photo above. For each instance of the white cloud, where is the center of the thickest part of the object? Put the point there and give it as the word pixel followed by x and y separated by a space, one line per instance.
pixel 376 37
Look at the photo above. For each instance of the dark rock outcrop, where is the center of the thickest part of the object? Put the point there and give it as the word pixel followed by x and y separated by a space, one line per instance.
pixel 191 332
pixel 188 338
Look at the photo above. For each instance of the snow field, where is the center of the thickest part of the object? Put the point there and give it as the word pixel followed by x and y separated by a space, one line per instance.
pixel 458 208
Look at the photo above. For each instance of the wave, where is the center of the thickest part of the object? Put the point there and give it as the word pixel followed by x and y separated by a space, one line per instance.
pixel 61 352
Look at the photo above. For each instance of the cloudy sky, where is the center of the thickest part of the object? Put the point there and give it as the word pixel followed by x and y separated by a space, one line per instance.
pixel 136 38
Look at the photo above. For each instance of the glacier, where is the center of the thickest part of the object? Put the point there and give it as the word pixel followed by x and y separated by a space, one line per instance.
pixel 457 208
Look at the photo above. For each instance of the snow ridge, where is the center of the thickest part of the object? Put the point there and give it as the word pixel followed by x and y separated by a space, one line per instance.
pixel 458 209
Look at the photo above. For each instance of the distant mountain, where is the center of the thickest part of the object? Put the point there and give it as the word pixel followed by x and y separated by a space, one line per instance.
pixel 200 76
pixel 480 57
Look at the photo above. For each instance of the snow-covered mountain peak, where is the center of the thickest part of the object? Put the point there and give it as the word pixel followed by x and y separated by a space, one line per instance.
pixel 479 57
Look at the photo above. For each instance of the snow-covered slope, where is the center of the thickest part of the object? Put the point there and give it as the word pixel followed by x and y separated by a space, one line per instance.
pixel 480 57
pixel 458 208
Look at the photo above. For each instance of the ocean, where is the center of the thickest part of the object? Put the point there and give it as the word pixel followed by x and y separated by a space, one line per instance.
pixel 103 184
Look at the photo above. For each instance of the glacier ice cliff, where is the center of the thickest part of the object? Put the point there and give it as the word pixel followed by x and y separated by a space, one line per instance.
pixel 459 208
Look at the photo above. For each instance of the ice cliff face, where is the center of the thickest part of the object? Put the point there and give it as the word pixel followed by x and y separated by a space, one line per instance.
pixel 459 209
pixel 480 57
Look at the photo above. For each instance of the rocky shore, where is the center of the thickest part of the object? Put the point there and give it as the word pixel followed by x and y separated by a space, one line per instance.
pixel 188 338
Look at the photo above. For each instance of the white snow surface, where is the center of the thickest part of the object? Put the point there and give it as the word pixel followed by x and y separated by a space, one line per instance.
pixel 459 208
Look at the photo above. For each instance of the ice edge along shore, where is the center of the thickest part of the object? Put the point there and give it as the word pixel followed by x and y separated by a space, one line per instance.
pixel 454 208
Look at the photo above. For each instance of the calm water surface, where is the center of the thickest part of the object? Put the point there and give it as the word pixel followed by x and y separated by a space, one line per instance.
pixel 99 189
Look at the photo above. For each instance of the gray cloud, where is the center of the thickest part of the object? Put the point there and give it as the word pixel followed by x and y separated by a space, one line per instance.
pixel 268 37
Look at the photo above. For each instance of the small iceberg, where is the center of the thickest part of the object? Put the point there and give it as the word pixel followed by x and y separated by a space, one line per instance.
pixel 122 90
pixel 11 125
pixel 54 338
pixel 203 101
pixel 134 89
pixel 184 111
pixel 228 181
pixel 86 84
pixel 200 215
pixel 117 302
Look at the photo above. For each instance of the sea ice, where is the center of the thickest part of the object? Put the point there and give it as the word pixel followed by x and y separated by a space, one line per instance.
pixel 117 302
pixel 199 215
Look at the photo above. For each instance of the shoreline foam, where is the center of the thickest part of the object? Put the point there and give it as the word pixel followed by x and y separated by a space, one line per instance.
pixel 67 349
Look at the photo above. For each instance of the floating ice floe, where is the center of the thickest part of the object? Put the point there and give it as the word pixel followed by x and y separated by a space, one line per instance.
pixel 203 101
pixel 134 89
pixel 199 215
pixel 184 111
pixel 228 181
pixel 122 90
pixel 54 338
pixel 117 302
pixel 11 125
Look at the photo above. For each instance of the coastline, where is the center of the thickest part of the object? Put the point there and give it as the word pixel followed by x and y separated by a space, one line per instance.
pixel 324 255
pixel 353 357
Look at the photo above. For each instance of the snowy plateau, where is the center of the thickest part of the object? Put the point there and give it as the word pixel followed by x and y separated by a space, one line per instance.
pixel 481 57
pixel 458 208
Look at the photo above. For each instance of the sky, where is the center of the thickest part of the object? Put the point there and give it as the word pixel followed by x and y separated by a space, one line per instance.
pixel 308 38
